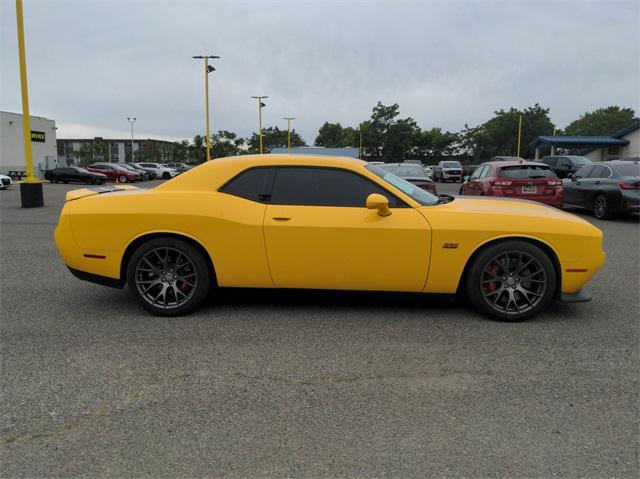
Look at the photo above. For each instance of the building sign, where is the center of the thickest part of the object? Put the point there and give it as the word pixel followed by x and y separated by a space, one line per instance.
pixel 37 136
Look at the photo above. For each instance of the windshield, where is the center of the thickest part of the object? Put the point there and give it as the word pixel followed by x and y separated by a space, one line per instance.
pixel 417 194
pixel 632 169
pixel 526 172
pixel 451 164
pixel 405 171
pixel 81 170
pixel 580 160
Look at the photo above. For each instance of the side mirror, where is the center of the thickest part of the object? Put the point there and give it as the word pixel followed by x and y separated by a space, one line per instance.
pixel 465 178
pixel 376 201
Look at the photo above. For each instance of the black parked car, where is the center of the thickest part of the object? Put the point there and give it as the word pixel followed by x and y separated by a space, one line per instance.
pixel 70 174
pixel 566 165
pixel 605 188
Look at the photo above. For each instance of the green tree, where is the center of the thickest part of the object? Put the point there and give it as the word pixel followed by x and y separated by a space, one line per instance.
pixel 387 138
pixel 333 135
pixel 273 137
pixel 226 143
pixel 603 121
pixel 198 150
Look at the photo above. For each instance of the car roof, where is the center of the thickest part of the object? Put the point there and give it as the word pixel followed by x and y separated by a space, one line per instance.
pixel 502 164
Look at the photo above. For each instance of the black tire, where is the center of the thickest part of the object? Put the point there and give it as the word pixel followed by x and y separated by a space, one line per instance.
pixel 498 272
pixel 65 182
pixel 122 179
pixel 166 175
pixel 601 207
pixel 138 279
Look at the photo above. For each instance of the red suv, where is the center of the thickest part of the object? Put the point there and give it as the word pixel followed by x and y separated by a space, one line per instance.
pixel 517 179
pixel 114 172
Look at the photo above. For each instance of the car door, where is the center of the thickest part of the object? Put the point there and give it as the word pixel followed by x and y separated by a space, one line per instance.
pixel 319 234
pixel 473 186
pixel 573 187
pixel 593 184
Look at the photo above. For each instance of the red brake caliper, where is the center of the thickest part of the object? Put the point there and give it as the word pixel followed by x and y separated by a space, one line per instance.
pixel 494 271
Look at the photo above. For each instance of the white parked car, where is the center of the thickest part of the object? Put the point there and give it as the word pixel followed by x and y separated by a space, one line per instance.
pixel 5 182
pixel 161 171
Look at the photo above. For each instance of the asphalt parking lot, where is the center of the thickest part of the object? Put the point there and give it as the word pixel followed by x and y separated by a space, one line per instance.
pixel 264 383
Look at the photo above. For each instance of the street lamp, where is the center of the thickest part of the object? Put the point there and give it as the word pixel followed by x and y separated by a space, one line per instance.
pixel 31 194
pixel 207 69
pixel 131 120
pixel 289 118
pixel 260 106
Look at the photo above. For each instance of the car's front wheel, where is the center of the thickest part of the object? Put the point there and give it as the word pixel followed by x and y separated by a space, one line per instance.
pixel 166 175
pixel 122 179
pixel 511 281
pixel 168 277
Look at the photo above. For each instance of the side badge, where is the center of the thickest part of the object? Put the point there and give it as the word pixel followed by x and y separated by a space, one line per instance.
pixel 450 245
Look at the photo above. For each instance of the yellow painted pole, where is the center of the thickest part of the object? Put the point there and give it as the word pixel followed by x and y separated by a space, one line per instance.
pixel 206 95
pixel 289 131
pixel 519 134
pixel 260 121
pixel 26 119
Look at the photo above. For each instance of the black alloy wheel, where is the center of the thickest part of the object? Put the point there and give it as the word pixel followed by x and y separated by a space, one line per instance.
pixel 168 277
pixel 511 281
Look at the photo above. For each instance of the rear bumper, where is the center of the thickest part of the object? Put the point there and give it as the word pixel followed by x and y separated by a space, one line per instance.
pixel 97 279
pixel 580 296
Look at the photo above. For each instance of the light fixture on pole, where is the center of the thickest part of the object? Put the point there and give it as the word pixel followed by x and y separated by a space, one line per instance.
pixel 260 106
pixel 131 120
pixel 289 118
pixel 31 194
pixel 207 69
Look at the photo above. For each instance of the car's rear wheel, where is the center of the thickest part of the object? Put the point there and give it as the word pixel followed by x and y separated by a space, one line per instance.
pixel 601 209
pixel 168 277
pixel 511 281
pixel 122 179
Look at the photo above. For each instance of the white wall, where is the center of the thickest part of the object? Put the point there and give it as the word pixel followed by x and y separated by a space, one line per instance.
pixel 630 150
pixel 12 143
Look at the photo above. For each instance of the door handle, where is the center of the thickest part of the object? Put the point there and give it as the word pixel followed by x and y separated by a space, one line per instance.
pixel 597 182
pixel 280 218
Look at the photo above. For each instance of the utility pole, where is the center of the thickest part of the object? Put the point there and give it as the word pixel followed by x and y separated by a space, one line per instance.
pixel 553 150
pixel 131 120
pixel 289 118
pixel 260 106
pixel 207 69
pixel 519 135
pixel 31 194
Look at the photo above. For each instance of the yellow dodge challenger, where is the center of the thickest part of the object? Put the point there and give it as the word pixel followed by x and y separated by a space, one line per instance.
pixel 285 221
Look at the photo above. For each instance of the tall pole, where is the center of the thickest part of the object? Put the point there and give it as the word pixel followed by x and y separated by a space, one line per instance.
pixel 260 105
pixel 207 69
pixel 26 119
pixel 131 120
pixel 553 150
pixel 519 135
pixel 289 118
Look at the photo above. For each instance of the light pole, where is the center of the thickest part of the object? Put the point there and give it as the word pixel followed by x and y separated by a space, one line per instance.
pixel 131 120
pixel 30 190
pixel 289 118
pixel 519 135
pixel 260 106
pixel 207 69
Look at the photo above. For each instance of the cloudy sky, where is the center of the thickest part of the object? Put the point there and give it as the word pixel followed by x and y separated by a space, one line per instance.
pixel 91 64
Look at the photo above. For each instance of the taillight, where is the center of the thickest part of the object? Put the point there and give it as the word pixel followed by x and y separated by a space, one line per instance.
pixel 628 186
pixel 554 182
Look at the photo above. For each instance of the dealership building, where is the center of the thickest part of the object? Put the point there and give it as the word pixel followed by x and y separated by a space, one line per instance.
pixel 43 143
pixel 117 149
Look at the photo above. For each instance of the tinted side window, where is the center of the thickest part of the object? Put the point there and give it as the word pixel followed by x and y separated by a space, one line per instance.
pixel 583 172
pixel 486 172
pixel 254 184
pixel 599 171
pixel 324 187
pixel 550 161
pixel 476 174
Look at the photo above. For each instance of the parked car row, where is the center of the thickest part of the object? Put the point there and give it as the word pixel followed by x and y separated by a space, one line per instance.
pixel 606 188
pixel 99 173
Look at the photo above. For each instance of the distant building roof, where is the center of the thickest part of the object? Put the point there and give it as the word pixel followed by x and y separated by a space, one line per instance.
pixel 590 142
pixel 349 151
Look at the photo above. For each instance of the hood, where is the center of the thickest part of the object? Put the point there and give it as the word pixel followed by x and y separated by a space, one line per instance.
pixel 497 208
